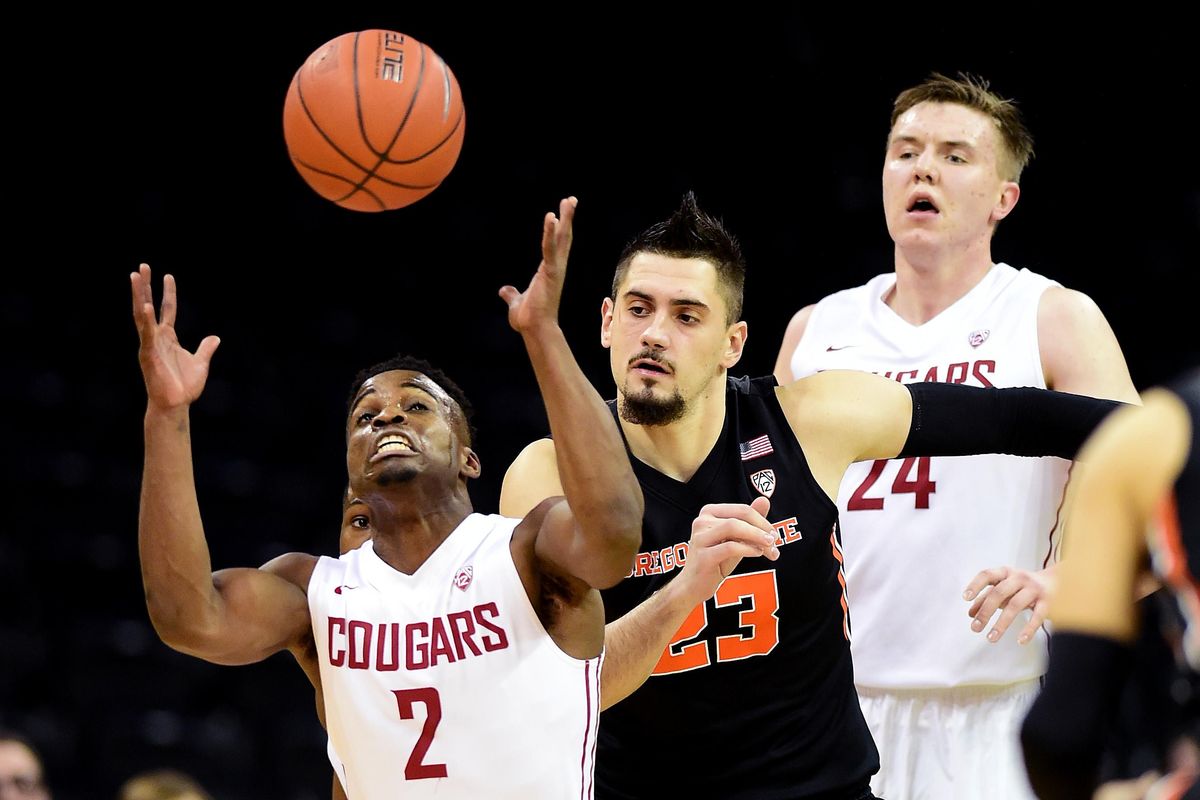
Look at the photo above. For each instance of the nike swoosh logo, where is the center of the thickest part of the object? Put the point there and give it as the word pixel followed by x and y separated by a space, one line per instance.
pixel 832 349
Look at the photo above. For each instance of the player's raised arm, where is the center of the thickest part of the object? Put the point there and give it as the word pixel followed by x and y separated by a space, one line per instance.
pixel 237 616
pixel 596 537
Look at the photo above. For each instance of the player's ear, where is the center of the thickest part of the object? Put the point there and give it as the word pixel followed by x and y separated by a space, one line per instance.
pixel 735 343
pixel 606 318
pixel 1010 192
pixel 471 468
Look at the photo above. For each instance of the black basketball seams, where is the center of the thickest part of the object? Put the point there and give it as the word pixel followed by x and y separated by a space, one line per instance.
pixel 383 159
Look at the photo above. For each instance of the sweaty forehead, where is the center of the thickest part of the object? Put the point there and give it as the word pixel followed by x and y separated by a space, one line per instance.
pixel 396 380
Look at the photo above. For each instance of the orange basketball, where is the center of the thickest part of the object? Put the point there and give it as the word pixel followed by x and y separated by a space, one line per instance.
pixel 374 120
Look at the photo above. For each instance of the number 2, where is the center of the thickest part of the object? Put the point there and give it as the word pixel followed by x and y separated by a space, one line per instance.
pixel 761 618
pixel 921 488
pixel 415 770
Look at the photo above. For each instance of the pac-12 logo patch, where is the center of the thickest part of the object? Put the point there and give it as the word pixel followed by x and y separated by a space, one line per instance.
pixel 462 578
pixel 978 337
pixel 764 481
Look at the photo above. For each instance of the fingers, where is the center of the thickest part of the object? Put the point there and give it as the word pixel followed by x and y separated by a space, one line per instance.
pixel 750 514
pixel 207 347
pixel 988 577
pixel 1020 601
pixel 549 223
pixel 167 315
pixel 726 551
pixel 557 233
pixel 139 288
pixel 762 505
pixel 708 532
pixel 1035 621
pixel 1010 592
pixel 988 603
pixel 509 295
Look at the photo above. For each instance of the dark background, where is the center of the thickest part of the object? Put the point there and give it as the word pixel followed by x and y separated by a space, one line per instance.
pixel 160 140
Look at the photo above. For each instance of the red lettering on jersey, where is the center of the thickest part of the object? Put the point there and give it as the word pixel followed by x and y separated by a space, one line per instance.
pixel 382 651
pixel 977 371
pixel 416 652
pixel 501 640
pixel 426 644
pixel 911 373
pixel 439 643
pixel 642 566
pixel 931 376
pixel 462 626
pixel 957 373
pixel 360 645
pixel 337 635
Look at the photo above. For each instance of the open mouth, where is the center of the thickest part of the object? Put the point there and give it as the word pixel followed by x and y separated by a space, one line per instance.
pixel 647 365
pixel 393 444
pixel 922 205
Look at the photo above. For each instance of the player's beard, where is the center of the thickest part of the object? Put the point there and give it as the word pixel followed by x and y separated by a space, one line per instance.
pixel 644 408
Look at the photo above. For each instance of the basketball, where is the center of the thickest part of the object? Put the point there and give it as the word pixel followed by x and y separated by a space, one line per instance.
pixel 374 120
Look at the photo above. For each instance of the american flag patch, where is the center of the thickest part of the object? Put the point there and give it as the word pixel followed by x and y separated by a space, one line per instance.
pixel 756 448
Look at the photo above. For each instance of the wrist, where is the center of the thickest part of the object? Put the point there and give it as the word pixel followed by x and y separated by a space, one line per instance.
pixel 166 415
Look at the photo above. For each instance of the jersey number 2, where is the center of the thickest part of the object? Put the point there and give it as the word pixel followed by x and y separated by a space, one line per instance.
pixel 922 487
pixel 415 770
pixel 760 618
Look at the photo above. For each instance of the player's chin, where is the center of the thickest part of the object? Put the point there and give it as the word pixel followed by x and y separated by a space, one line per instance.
pixel 395 471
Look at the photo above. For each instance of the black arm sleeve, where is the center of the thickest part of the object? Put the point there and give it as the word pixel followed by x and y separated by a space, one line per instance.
pixel 954 420
pixel 1064 733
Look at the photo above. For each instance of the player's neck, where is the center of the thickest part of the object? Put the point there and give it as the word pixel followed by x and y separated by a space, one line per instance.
pixel 409 529
pixel 928 282
pixel 678 449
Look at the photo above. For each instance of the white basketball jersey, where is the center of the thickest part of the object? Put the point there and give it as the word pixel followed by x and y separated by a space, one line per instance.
pixel 444 683
pixel 915 531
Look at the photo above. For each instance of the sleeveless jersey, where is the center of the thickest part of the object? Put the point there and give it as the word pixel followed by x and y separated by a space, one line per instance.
pixel 755 695
pixel 444 683
pixel 917 530
pixel 1174 539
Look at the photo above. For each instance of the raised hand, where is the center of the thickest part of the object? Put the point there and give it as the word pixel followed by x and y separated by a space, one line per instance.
pixel 722 536
pixel 538 304
pixel 174 376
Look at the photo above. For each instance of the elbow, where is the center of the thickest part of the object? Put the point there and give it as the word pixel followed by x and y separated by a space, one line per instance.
pixel 179 629
pixel 623 543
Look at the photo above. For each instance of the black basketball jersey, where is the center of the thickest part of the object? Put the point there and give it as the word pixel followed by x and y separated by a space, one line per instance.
pixel 754 697
pixel 1175 538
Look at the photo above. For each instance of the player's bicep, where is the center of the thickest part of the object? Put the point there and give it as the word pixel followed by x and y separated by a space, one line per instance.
pixel 870 416
pixel 842 416
pixel 530 479
pixel 263 611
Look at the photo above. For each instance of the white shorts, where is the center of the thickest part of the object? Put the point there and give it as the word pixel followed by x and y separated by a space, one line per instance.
pixel 944 744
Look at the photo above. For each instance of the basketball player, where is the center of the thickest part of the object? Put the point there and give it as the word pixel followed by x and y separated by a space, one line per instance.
pixel 458 653
pixel 752 692
pixel 943 703
pixel 1139 497
pixel 21 773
